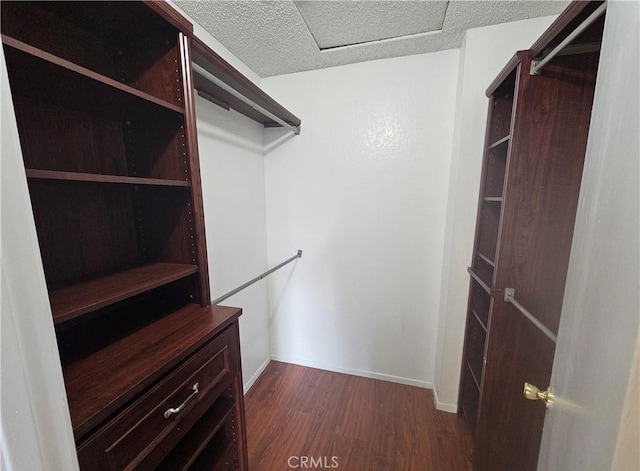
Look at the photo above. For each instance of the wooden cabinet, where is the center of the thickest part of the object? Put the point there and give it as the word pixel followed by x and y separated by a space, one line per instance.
pixel 198 391
pixel 536 139
pixel 103 96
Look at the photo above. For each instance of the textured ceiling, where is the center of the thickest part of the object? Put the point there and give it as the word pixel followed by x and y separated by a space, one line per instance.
pixel 282 36
pixel 337 24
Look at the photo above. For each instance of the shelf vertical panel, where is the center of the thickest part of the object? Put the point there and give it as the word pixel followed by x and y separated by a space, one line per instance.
pixel 489 217
pixel 191 154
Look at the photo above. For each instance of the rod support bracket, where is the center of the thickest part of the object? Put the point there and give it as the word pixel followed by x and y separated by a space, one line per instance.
pixel 299 253
pixel 509 294
pixel 534 70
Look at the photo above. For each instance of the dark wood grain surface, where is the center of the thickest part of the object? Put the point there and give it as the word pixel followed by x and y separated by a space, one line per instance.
pixel 75 300
pixel 103 382
pixel 510 426
pixel 103 93
pixel 367 424
pixel 544 168
pixel 548 147
pixel 59 66
pixel 205 57
pixel 100 178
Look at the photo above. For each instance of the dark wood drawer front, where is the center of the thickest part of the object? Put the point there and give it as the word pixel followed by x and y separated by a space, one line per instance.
pixel 140 436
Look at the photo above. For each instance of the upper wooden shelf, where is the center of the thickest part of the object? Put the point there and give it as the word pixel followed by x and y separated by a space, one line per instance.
pixel 564 24
pixel 75 300
pixel 36 68
pixel 206 58
pixel 100 178
pixel 104 381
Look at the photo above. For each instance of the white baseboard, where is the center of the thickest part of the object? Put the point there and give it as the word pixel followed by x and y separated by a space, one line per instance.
pixel 366 374
pixel 443 406
pixel 248 384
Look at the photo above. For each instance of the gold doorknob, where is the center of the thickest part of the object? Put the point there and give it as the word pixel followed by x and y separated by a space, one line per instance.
pixel 532 393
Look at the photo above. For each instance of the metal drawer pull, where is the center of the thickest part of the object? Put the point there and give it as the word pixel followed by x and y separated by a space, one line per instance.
pixel 169 412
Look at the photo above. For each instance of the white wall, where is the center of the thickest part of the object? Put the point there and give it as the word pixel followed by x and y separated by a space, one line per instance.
pixel 362 191
pixel 232 166
pixel 600 313
pixel 484 53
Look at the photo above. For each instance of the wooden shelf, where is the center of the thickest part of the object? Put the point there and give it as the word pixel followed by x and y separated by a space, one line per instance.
pixel 99 178
pixel 36 67
pixel 218 456
pixel 479 320
pixel 469 398
pixel 216 65
pixel 473 376
pixel 487 259
pixel 189 448
pixel 104 381
pixel 78 299
pixel 500 142
pixel 479 280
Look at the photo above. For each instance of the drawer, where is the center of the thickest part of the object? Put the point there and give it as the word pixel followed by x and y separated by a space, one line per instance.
pixel 140 436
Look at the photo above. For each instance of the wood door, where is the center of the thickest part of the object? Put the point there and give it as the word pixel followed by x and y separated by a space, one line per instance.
pixel 549 138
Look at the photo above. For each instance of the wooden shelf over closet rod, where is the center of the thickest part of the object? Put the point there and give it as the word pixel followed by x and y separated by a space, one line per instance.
pixel 206 58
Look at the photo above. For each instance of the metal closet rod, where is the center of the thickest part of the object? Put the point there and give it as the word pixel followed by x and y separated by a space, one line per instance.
pixel 510 297
pixel 216 81
pixel 536 66
pixel 257 278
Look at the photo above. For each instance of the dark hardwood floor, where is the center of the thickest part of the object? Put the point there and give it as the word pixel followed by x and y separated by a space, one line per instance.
pixel 304 418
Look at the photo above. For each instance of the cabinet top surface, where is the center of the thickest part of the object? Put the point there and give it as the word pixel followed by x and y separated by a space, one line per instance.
pixel 103 382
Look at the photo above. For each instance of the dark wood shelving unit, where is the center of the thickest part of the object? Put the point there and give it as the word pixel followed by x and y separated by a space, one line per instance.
pixel 104 101
pixel 137 360
pixel 483 267
pixel 531 176
pixel 32 59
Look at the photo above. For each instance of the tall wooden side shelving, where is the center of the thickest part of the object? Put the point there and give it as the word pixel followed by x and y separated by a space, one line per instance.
pixel 483 267
pixel 535 144
pixel 103 95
